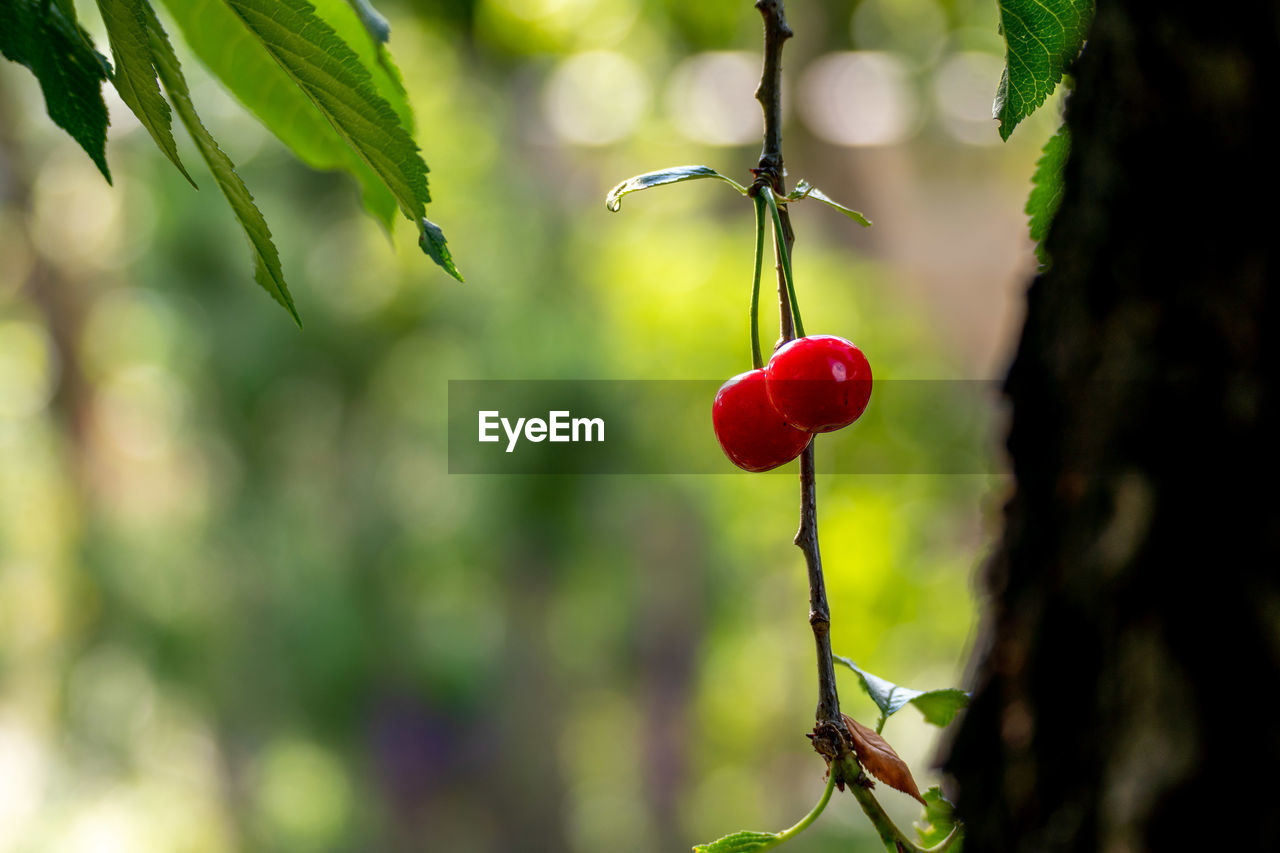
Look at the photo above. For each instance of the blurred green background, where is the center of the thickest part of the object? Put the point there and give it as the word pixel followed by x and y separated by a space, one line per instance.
pixel 243 605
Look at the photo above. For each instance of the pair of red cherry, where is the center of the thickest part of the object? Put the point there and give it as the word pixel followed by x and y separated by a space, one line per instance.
pixel 765 417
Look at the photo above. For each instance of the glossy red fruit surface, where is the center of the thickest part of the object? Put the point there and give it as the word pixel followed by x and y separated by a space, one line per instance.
pixel 751 432
pixel 820 383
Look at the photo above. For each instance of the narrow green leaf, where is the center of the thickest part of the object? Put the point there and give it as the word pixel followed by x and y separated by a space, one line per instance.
pixel 804 190
pixel 938 821
pixel 664 176
pixel 1046 189
pixel 939 707
pixel 741 842
pixel 432 241
pixel 241 62
pixel 267 270
pixel 135 76
pixel 1041 38
pixel 46 39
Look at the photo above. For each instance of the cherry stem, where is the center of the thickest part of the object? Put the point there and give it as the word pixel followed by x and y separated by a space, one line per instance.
pixel 757 359
pixel 780 246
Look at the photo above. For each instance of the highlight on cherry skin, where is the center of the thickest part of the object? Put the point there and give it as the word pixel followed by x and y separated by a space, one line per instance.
pixel 750 431
pixel 819 383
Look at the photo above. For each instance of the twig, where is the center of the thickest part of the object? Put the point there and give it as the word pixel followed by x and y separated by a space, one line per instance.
pixel 830 737
pixel 770 170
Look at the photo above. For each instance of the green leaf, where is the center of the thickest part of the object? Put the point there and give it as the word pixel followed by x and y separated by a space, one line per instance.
pixel 1041 38
pixel 242 63
pixel 338 83
pixel 267 270
pixel 664 176
pixel 939 707
pixel 46 39
pixel 1046 189
pixel 135 75
pixel 741 842
pixel 432 241
pixel 938 821
pixel 804 190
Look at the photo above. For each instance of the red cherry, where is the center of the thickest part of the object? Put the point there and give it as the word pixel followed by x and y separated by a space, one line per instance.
pixel 751 432
pixel 820 383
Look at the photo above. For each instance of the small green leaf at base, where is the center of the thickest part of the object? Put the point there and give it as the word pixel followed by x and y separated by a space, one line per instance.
pixel 804 190
pixel 1041 37
pixel 1046 190
pixel 664 176
pixel 938 821
pixel 741 842
pixel 939 707
pixel 432 241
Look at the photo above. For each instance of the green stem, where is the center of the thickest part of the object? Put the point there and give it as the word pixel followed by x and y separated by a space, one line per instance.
pixel 757 360
pixel 788 834
pixel 780 247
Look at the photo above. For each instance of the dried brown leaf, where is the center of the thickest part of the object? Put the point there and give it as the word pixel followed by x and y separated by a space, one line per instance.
pixel 878 758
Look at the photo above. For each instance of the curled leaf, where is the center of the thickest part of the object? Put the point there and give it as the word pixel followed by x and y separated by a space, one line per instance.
pixel 878 758
pixel 664 176
pixel 804 190
pixel 432 241
pixel 938 824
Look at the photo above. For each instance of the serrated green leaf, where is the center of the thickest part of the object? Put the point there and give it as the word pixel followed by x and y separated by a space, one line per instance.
pixel 1041 38
pixel 379 31
pixel 267 269
pixel 1046 189
pixel 331 74
pixel 938 821
pixel 673 175
pixel 939 707
pixel 741 842
pixel 432 241
pixel 243 64
pixel 46 39
pixel 135 76
pixel 804 190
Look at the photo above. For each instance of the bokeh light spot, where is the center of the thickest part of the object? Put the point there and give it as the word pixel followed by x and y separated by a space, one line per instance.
pixel 963 90
pixel 859 98
pixel 596 98
pixel 710 98
pixel 27 369
pixel 304 795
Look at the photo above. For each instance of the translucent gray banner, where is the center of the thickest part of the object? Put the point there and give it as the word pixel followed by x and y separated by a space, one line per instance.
pixel 573 427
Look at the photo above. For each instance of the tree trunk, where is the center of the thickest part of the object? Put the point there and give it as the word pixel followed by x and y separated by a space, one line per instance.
pixel 1132 640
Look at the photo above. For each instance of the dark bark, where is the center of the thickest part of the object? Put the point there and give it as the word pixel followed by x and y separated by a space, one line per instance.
pixel 1135 596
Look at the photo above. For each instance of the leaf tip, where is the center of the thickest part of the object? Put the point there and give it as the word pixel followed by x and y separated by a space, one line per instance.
pixel 432 241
